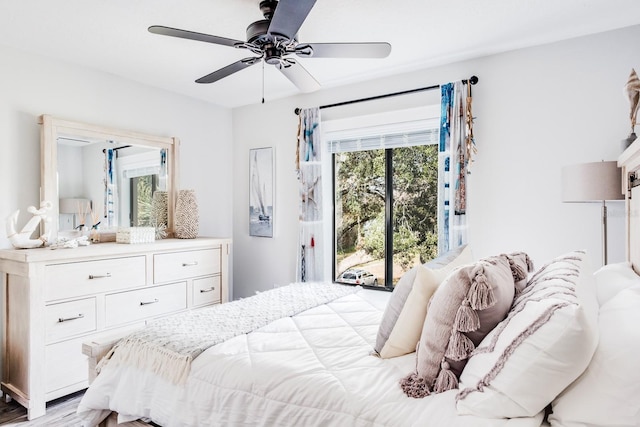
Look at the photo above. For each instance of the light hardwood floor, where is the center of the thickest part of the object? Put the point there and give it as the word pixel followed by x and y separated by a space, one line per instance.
pixel 60 413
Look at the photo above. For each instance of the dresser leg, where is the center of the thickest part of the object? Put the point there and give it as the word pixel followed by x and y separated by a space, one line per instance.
pixel 35 412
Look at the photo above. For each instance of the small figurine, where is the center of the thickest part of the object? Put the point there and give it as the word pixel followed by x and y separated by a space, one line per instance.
pixel 22 239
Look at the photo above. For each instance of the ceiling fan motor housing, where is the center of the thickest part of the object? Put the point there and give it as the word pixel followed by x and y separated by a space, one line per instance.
pixel 257 32
pixel 258 35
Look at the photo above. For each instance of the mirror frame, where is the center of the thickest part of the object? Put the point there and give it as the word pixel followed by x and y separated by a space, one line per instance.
pixel 52 127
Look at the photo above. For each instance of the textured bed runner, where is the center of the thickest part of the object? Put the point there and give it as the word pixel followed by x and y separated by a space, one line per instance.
pixel 167 346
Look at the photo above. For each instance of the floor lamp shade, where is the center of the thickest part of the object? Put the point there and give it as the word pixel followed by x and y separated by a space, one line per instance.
pixel 593 182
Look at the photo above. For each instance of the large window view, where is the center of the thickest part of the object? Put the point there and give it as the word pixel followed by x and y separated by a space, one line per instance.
pixel 385 203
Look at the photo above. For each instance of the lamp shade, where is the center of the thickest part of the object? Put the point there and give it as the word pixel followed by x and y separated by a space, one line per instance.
pixel 592 182
pixel 73 205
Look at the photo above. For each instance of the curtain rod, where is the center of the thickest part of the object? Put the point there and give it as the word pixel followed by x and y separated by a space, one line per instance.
pixel 473 80
pixel 104 150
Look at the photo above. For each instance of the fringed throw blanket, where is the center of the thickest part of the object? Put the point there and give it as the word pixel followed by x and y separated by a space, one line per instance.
pixel 168 346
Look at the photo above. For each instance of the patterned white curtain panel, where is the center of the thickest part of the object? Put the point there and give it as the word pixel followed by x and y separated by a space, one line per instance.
pixel 309 169
pixel 456 149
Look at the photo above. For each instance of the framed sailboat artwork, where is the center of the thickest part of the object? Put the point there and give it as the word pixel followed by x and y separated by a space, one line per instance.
pixel 261 175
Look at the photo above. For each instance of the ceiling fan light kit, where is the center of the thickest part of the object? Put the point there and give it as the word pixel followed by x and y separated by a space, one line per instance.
pixel 274 40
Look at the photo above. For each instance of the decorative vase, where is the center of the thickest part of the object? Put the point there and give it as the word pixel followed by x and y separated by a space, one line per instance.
pixel 186 222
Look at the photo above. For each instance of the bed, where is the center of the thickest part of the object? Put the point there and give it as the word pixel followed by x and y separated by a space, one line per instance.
pixel 550 356
pixel 314 368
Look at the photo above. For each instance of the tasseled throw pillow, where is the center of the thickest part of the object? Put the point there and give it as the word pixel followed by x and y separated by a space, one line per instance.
pixel 470 302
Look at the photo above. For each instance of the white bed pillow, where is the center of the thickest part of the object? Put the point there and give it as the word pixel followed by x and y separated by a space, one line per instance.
pixel 543 345
pixel 440 266
pixel 406 332
pixel 608 392
pixel 613 278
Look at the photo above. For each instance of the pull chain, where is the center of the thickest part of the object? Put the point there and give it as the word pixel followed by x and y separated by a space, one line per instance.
pixel 263 82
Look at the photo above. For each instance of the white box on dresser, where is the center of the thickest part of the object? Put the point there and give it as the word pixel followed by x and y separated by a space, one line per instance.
pixel 55 300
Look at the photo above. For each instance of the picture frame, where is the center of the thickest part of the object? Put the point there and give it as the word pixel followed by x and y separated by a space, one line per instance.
pixel 261 191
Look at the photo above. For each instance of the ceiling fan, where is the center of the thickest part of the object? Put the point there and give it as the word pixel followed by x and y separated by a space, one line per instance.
pixel 274 41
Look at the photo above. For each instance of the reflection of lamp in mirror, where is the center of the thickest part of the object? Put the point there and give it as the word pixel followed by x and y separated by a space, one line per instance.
pixel 76 208
pixel 593 182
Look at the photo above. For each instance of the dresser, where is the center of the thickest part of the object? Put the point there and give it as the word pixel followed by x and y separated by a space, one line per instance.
pixel 53 301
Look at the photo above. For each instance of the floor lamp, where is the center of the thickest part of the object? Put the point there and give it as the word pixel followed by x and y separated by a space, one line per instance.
pixel 593 182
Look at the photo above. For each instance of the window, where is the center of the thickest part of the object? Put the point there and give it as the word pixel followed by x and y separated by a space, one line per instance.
pixel 385 187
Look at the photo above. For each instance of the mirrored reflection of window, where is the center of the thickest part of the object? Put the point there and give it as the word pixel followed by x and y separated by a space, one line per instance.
pixel 142 189
pixel 140 174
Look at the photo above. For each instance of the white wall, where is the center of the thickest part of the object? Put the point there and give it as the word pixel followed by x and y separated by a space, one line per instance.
pixel 537 109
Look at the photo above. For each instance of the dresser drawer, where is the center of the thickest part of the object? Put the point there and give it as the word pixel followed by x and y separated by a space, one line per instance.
pixel 65 365
pixel 206 290
pixel 69 318
pixel 89 277
pixel 135 305
pixel 169 267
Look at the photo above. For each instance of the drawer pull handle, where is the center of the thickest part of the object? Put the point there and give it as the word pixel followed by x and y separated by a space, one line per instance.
pixel 66 319
pixel 189 264
pixel 99 276
pixel 202 291
pixel 155 300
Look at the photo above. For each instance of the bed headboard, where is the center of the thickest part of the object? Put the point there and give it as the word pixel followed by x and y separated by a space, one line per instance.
pixel 629 161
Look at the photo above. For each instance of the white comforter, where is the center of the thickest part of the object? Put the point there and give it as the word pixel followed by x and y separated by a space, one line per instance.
pixel 313 369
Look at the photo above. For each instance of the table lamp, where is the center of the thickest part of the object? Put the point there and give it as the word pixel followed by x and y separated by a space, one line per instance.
pixel 77 207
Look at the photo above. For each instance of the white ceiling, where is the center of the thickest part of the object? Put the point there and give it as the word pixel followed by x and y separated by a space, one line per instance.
pixel 112 36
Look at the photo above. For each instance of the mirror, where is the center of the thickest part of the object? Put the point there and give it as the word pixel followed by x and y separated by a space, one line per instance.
pixel 97 177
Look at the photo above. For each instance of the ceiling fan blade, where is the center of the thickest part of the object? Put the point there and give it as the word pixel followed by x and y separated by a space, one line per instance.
pixel 191 35
pixel 344 50
pixel 299 76
pixel 289 16
pixel 228 70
